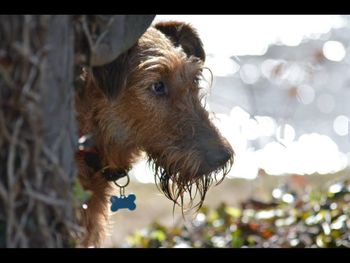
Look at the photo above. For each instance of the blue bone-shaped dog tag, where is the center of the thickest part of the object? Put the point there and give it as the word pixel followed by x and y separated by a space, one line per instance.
pixel 123 202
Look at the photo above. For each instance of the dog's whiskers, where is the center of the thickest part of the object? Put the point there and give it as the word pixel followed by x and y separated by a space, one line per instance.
pixel 175 186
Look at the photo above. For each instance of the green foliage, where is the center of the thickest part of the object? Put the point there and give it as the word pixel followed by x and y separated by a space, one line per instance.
pixel 80 195
pixel 316 219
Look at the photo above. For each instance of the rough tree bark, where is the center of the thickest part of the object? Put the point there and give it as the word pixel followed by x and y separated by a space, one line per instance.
pixel 39 56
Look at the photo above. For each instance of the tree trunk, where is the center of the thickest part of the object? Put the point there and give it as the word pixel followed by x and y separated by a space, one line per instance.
pixel 38 135
pixel 38 131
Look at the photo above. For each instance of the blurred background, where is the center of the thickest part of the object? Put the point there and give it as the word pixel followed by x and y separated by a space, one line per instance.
pixel 280 95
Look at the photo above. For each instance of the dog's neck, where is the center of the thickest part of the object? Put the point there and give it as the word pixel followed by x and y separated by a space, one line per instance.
pixel 92 157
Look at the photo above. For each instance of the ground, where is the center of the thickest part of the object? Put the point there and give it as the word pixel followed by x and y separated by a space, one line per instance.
pixel 152 205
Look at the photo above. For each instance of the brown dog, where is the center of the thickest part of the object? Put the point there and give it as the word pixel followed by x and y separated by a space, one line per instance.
pixel 147 100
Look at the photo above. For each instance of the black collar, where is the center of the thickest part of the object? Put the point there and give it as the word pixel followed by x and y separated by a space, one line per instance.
pixel 92 158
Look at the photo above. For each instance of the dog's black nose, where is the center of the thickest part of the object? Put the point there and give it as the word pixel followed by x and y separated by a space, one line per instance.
pixel 218 157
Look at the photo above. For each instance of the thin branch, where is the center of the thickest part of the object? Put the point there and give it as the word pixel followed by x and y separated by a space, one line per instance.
pixel 11 181
pixel 45 198
pixel 3 193
pixel 104 33
pixel 87 32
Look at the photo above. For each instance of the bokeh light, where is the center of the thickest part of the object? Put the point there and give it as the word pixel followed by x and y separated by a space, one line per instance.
pixel 341 125
pixel 249 73
pixel 306 94
pixel 334 50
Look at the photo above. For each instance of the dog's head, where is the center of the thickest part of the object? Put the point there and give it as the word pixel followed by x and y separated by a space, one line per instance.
pixel 153 94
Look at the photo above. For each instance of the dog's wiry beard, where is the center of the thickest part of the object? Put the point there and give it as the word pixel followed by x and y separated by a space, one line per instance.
pixel 187 189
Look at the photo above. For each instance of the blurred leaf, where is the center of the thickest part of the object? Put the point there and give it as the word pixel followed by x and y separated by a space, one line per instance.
pixel 265 215
pixel 339 222
pixel 158 235
pixel 267 233
pixel 80 194
pixel 316 220
pixel 233 212
pixel 237 240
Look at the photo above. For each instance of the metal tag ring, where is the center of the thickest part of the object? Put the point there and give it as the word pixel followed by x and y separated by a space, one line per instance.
pixel 122 186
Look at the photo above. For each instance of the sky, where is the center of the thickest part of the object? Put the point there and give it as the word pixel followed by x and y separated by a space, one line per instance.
pixel 227 35
pixel 224 36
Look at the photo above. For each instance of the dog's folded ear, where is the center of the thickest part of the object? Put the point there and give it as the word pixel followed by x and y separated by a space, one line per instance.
pixel 184 35
pixel 111 78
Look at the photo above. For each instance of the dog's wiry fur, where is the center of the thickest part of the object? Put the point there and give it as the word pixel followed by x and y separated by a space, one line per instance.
pixel 127 117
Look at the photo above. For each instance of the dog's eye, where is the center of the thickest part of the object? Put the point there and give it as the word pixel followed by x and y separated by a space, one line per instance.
pixel 159 88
